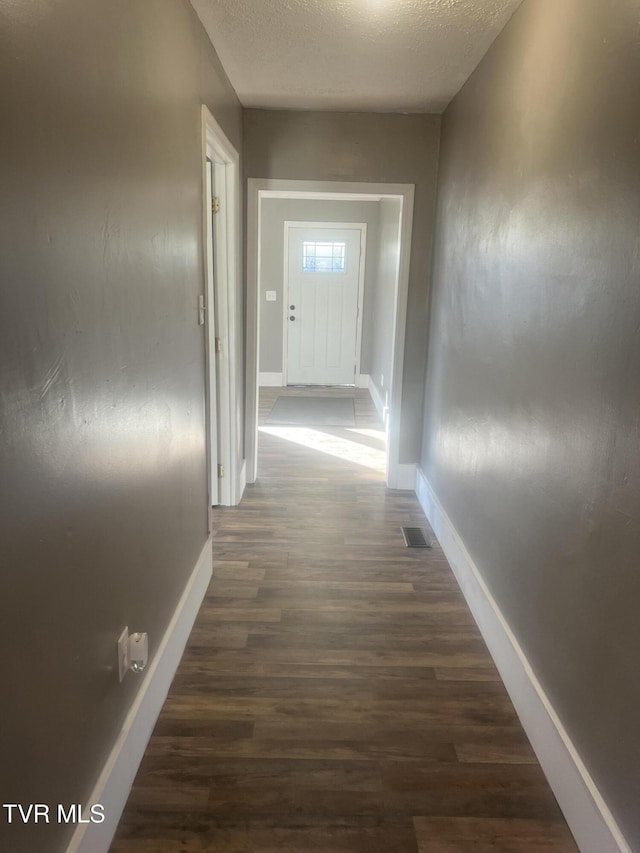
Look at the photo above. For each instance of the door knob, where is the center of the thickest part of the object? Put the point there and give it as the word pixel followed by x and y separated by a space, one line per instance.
pixel 292 307
pixel 292 317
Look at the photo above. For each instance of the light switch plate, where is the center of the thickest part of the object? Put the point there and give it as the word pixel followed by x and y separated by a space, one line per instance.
pixel 271 295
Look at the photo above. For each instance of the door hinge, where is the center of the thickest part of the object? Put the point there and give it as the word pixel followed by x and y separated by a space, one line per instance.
pixel 201 309
pixel 220 470
pixel 215 204
pixel 218 344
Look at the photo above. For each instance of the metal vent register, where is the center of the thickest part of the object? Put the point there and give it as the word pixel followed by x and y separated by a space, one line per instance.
pixel 416 537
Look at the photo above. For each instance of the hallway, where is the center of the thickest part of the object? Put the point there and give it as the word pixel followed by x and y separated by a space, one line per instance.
pixel 335 694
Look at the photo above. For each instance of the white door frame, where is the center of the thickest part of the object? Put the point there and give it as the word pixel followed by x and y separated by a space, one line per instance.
pixel 223 291
pixel 207 317
pixel 354 226
pixel 259 188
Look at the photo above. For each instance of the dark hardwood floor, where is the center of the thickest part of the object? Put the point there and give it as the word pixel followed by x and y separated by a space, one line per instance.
pixel 335 695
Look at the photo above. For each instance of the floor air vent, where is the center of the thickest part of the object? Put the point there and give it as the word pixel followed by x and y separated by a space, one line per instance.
pixel 415 537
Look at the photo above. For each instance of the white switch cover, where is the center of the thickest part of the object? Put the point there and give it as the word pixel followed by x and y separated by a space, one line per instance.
pixel 271 295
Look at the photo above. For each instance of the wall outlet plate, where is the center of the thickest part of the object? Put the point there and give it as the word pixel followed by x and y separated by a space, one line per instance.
pixel 138 651
pixel 123 653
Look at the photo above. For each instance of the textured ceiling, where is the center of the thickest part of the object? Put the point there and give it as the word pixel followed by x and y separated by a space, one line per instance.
pixel 364 55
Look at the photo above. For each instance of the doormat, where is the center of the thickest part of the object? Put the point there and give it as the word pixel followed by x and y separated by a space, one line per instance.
pixel 313 411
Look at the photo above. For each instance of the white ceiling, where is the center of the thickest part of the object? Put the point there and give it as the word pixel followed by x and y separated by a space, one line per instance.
pixel 362 55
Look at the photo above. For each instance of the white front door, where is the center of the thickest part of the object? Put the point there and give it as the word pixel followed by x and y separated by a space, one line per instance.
pixel 323 265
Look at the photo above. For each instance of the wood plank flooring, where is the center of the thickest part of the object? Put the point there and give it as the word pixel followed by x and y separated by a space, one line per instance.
pixel 335 695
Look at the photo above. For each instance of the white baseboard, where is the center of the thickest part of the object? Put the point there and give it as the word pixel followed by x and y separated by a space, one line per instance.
pixel 242 481
pixel 586 812
pixel 362 380
pixel 270 380
pixel 402 476
pixel 378 402
pixel 115 781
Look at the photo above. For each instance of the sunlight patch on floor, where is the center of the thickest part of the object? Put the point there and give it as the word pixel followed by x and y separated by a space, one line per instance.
pixel 377 434
pixel 333 445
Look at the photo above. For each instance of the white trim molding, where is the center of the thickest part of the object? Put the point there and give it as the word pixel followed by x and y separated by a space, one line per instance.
pixel 405 476
pixel 114 782
pixel 222 263
pixel 270 380
pixel 243 478
pixel 588 816
pixel 260 188
pixel 379 403
pixel 363 380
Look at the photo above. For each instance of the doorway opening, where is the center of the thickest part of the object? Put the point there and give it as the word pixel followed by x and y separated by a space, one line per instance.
pixel 285 245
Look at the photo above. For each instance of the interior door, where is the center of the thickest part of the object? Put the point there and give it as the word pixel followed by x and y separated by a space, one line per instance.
pixel 323 266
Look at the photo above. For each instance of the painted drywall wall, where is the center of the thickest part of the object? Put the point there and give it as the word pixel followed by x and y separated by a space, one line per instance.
pixel 384 297
pixel 103 470
pixel 326 146
pixel 274 213
pixel 532 408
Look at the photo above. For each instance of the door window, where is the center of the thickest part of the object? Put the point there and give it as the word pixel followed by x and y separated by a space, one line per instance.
pixel 323 257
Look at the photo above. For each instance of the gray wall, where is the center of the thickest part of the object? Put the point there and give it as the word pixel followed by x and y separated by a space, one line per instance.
pixel 102 461
pixel 383 307
pixel 274 213
pixel 532 407
pixel 390 148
